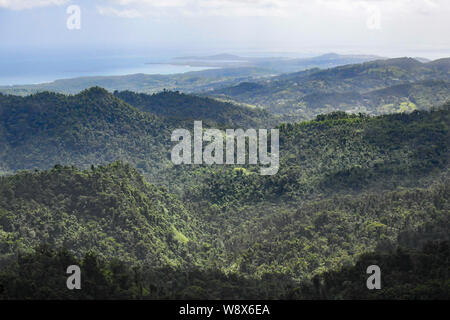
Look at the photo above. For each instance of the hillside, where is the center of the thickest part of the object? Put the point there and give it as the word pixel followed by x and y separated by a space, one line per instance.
pixel 329 60
pixel 132 239
pixel 110 210
pixel 93 127
pixel 188 107
pixel 347 185
pixel 329 234
pixel 96 127
pixel 395 99
pixel 336 150
pixel 308 93
pixel 341 153
pixel 408 274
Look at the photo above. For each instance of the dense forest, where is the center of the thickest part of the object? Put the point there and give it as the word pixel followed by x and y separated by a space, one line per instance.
pixel 92 127
pixel 188 107
pixel 87 180
pixel 133 240
pixel 409 274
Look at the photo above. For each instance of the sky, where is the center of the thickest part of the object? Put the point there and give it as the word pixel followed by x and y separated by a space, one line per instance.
pixel 179 27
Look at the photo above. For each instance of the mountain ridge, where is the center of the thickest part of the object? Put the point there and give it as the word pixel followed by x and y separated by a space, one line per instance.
pixel 285 94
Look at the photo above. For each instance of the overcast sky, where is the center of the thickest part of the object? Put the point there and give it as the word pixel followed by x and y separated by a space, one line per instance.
pixel 391 28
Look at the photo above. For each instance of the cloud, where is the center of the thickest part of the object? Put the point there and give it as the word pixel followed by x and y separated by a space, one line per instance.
pixel 136 8
pixel 29 4
pixel 125 13
pixel 195 8
pixel 374 8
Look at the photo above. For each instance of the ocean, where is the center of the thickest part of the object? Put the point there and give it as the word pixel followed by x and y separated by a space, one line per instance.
pixel 28 69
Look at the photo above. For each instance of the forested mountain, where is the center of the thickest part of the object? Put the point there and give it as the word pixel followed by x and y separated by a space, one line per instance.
pixel 96 127
pixel 110 210
pixel 108 217
pixel 353 88
pixel 92 127
pixel 348 185
pixel 342 153
pixel 189 107
pixel 310 237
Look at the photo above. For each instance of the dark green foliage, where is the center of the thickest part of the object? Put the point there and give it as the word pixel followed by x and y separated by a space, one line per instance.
pixel 340 153
pixel 92 127
pixel 348 185
pixel 42 275
pixel 188 107
pixel 110 210
pixel 406 274
pixel 95 127
pixel 304 239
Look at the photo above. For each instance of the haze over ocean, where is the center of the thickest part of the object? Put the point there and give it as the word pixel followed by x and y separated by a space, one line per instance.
pixel 17 68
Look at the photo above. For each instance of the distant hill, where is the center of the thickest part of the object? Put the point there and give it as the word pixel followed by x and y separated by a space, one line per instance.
pixel 228 70
pixel 308 93
pixel 399 98
pixel 187 82
pixel 329 60
pixel 276 64
pixel 440 64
